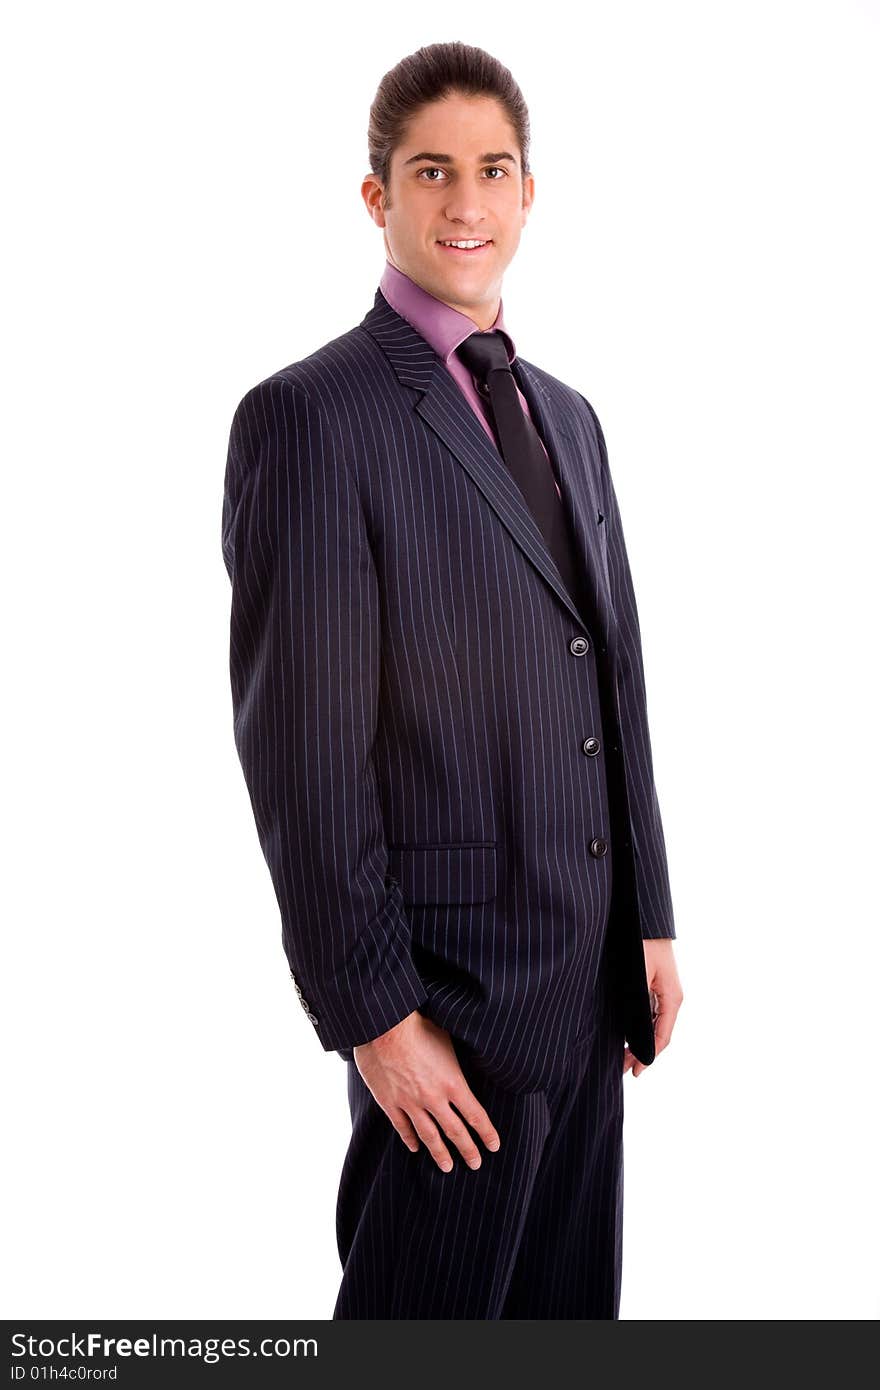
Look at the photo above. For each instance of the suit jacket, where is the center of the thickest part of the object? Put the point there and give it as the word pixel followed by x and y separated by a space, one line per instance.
pixel 417 702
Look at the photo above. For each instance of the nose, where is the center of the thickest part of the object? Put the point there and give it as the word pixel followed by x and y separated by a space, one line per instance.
pixel 463 211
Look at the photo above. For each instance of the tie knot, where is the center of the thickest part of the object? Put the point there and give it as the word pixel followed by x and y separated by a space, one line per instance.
pixel 481 352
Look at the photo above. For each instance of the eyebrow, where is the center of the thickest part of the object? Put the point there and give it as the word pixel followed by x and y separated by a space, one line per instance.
pixel 448 158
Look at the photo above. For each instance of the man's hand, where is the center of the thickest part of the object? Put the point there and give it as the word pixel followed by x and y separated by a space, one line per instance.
pixel 663 980
pixel 415 1076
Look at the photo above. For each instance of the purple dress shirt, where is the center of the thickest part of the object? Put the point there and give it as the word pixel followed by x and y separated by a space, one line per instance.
pixel 444 328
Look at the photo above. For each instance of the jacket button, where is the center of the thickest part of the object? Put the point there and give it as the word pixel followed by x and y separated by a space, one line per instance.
pixel 578 646
pixel 309 1015
pixel 590 747
pixel 598 846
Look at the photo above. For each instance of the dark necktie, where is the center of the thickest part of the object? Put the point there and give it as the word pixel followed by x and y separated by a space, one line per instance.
pixel 485 356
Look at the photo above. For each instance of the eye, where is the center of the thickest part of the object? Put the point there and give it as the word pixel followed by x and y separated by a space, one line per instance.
pixel 435 169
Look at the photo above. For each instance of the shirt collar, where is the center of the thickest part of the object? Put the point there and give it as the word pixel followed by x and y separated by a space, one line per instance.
pixel 443 327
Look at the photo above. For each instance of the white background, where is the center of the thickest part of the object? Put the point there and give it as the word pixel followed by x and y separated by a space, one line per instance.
pixel 701 263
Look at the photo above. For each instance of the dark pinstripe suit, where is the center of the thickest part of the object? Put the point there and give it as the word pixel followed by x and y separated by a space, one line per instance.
pixel 413 688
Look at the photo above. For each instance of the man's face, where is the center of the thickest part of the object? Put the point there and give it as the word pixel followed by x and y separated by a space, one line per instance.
pixel 444 187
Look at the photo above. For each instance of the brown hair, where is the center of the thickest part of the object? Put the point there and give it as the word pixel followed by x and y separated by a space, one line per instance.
pixel 430 74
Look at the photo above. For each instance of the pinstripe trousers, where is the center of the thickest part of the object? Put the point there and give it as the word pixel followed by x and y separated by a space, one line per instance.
pixel 534 1232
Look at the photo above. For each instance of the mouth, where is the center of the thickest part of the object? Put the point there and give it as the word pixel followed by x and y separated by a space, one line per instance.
pixel 464 251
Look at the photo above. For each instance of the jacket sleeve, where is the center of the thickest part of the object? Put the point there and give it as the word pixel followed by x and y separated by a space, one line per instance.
pixel 652 872
pixel 304 661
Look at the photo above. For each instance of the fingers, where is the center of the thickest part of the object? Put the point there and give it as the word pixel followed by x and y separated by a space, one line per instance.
pixel 665 1007
pixel 670 1003
pixel 467 1104
pixel 435 1121
pixel 414 1074
pixel 663 1029
pixel 459 1134
pixel 430 1137
pixel 405 1128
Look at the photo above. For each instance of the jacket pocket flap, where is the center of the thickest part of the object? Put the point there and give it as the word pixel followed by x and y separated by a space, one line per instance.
pixel 437 874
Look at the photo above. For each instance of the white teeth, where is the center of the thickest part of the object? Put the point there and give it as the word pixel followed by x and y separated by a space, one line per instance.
pixel 464 245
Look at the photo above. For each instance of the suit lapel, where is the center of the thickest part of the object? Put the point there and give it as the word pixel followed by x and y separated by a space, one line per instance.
pixel 444 411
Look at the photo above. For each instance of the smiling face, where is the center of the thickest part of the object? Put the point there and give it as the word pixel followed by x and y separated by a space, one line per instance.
pixel 455 176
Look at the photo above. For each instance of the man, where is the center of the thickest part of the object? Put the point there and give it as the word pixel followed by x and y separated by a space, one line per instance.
pixel 439 706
